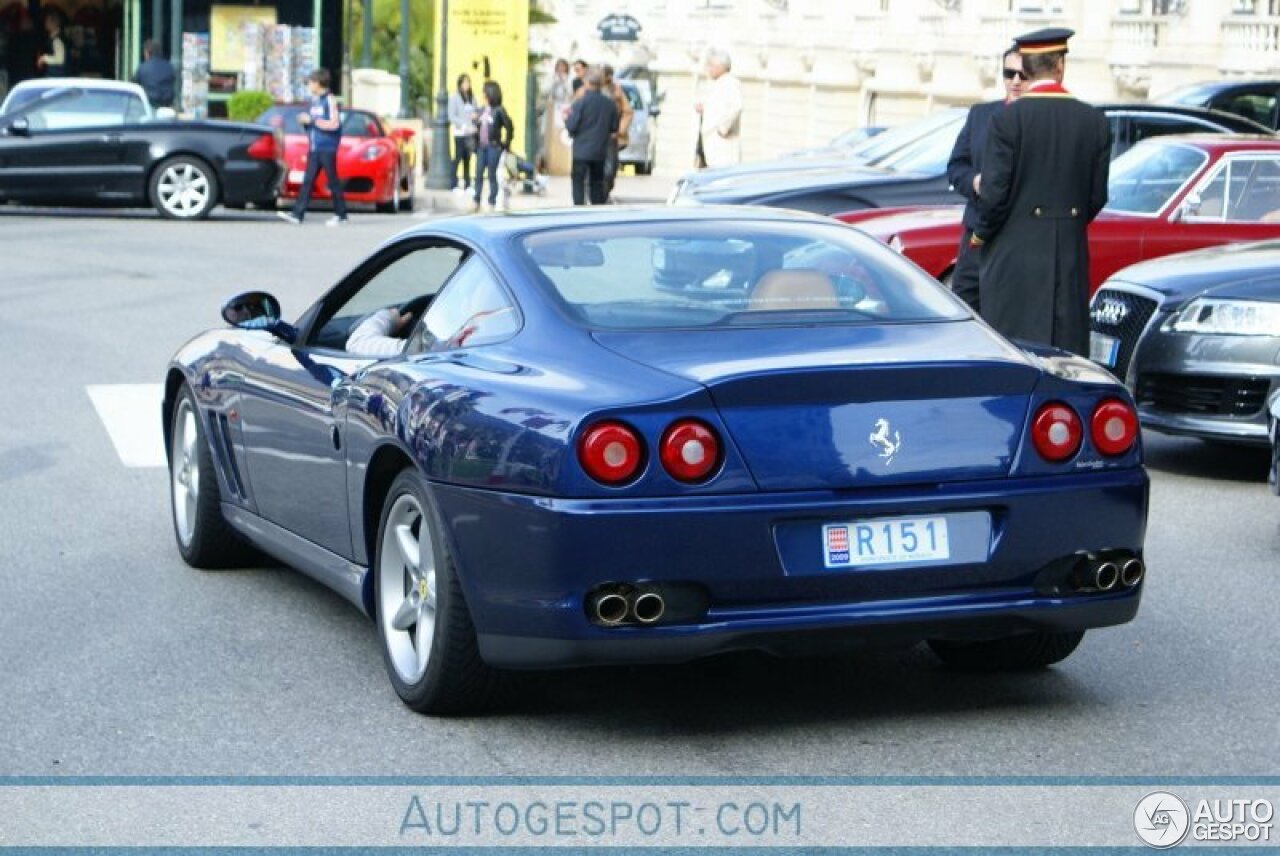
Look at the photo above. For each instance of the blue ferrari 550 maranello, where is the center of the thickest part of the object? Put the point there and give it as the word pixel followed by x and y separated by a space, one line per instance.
pixel 570 438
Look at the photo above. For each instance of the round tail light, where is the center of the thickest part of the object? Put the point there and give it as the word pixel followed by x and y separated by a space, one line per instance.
pixel 1114 427
pixel 611 453
pixel 690 450
pixel 1056 431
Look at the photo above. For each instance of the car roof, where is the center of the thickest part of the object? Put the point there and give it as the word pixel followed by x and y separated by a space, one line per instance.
pixel 1230 120
pixel 1222 143
pixel 78 83
pixel 491 226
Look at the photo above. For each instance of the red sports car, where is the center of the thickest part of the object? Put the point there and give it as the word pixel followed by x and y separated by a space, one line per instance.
pixel 1166 195
pixel 376 164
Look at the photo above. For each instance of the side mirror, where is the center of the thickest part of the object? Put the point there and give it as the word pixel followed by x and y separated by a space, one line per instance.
pixel 20 127
pixel 253 310
pixel 1190 207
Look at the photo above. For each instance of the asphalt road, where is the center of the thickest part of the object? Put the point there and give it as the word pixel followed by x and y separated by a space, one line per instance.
pixel 117 659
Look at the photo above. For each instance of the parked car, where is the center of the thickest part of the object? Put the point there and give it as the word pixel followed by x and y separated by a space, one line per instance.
pixel 85 141
pixel 1258 100
pixel 916 174
pixel 943 122
pixel 374 162
pixel 1166 195
pixel 641 149
pixel 818 465
pixel 1195 336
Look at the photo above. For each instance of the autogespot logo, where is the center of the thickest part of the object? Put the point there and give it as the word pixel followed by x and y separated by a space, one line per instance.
pixel 1161 820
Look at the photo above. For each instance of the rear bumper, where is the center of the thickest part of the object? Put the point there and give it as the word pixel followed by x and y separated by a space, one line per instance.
pixel 528 563
pixel 251 181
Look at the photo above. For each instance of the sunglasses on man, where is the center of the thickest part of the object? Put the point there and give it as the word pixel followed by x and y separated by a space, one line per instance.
pixel 1011 73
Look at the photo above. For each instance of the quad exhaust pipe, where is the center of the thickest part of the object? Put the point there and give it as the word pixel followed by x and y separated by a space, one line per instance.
pixel 1105 576
pixel 612 605
pixel 1132 572
pixel 1107 573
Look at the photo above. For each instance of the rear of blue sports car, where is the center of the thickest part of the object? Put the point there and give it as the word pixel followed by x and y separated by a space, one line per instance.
pixel 843 456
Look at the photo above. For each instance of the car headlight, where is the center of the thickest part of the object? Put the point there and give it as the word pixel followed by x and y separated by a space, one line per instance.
pixel 895 244
pixel 1226 318
pixel 373 153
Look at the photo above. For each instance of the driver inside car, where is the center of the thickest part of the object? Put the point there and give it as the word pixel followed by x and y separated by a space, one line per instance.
pixel 380 335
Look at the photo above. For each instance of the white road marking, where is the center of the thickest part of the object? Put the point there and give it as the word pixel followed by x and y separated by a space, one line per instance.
pixel 131 414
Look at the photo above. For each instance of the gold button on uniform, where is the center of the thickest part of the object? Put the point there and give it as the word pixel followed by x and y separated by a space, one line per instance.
pixel 1037 212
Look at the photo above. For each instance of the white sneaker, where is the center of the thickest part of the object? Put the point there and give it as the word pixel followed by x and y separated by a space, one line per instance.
pixel 459 190
pixel 288 217
pixel 336 221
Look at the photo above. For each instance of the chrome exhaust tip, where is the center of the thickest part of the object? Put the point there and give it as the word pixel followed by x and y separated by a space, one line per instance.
pixel 647 607
pixel 609 608
pixel 1105 576
pixel 1132 572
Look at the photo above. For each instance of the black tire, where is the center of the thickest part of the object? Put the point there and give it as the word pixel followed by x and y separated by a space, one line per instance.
pixel 1273 472
pixel 406 197
pixel 392 205
pixel 172 176
pixel 210 542
pixel 455 680
pixel 1011 653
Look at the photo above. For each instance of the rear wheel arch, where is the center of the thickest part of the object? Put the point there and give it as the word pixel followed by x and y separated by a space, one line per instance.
pixel 172 389
pixel 387 463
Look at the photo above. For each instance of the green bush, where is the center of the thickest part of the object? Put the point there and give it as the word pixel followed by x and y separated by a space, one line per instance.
pixel 248 105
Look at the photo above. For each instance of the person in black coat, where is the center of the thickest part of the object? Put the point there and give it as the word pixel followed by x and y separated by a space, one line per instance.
pixel 965 168
pixel 592 122
pixel 1044 179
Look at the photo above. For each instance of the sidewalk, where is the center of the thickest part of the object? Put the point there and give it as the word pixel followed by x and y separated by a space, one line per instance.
pixel 629 190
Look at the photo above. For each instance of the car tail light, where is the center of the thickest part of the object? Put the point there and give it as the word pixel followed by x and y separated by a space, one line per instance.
pixel 263 148
pixel 690 450
pixel 1056 431
pixel 1114 427
pixel 611 453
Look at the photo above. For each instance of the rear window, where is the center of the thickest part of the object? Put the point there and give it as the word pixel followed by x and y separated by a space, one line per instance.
pixel 354 123
pixel 685 275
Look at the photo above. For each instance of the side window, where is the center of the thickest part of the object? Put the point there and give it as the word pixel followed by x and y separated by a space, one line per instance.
pixel 472 310
pixel 1243 190
pixel 80 109
pixel 414 276
pixel 1144 127
pixel 1258 106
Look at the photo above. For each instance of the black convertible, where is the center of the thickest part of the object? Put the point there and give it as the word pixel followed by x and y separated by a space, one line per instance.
pixel 915 174
pixel 98 142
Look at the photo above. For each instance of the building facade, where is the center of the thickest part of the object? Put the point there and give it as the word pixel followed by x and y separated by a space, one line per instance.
pixel 811 69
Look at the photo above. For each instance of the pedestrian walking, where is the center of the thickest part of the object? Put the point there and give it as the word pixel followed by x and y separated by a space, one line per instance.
pixel 462 118
pixel 1044 178
pixel 619 139
pixel 494 132
pixel 323 122
pixel 155 75
pixel 964 171
pixel 720 113
pixel 593 120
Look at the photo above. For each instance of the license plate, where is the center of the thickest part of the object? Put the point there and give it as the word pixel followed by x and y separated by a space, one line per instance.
pixel 1104 349
pixel 296 175
pixel 885 541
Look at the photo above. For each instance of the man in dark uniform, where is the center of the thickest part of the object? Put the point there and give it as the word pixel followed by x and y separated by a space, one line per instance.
pixel 1044 178
pixel 964 171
